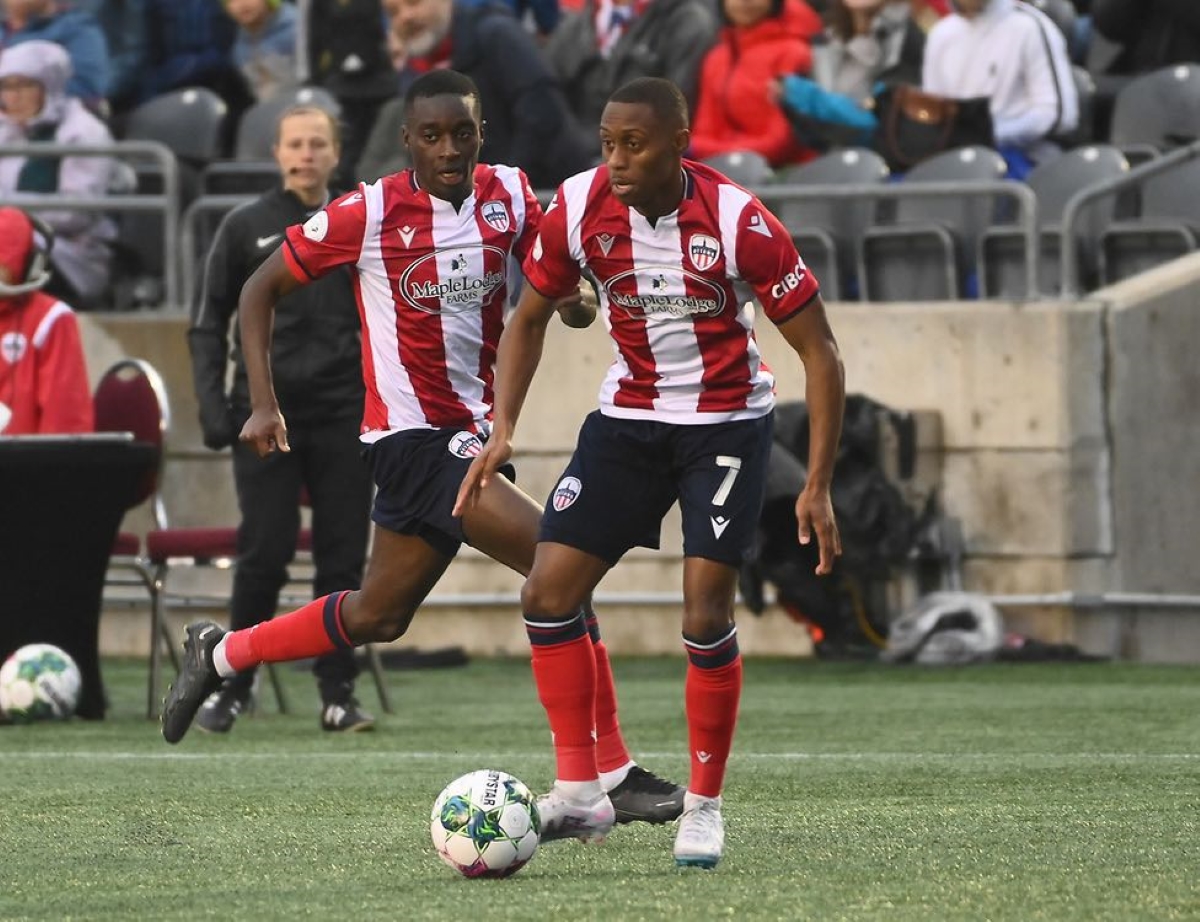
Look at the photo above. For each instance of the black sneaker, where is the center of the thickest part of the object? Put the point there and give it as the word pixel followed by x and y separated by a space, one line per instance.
pixel 197 680
pixel 222 707
pixel 645 797
pixel 345 715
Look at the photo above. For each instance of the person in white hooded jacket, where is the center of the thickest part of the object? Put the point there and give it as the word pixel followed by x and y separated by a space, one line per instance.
pixel 1013 54
pixel 34 107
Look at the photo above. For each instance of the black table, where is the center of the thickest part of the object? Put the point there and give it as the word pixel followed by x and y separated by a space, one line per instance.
pixel 62 499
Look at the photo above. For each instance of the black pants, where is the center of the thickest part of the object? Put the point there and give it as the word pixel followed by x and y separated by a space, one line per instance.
pixel 327 459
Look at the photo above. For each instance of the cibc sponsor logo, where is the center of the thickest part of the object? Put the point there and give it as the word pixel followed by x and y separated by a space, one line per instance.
pixel 453 288
pixel 669 294
pixel 791 281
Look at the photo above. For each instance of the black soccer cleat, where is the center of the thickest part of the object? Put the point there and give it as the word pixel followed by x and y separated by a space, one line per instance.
pixel 197 680
pixel 644 797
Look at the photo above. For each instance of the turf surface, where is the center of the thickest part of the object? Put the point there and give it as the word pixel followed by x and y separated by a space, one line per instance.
pixel 1020 792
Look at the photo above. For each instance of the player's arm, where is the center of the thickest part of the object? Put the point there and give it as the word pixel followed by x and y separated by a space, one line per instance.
pixel 517 358
pixel 809 333
pixel 265 429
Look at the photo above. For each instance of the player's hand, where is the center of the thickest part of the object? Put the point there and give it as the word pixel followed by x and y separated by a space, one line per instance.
pixel 579 310
pixel 266 431
pixel 495 452
pixel 814 512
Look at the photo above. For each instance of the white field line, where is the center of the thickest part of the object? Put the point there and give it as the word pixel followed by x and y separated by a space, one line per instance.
pixel 173 755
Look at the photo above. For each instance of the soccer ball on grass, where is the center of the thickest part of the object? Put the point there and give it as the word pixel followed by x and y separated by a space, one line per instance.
pixel 39 681
pixel 485 824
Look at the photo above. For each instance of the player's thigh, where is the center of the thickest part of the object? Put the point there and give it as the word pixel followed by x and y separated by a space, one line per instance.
pixel 615 490
pixel 401 572
pixel 504 524
pixel 722 481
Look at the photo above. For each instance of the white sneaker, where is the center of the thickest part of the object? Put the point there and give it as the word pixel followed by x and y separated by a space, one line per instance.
pixel 701 836
pixel 563 818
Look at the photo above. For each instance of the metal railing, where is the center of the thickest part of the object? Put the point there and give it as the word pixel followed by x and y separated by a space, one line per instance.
pixel 166 202
pixel 1081 199
pixel 1021 193
pixel 189 232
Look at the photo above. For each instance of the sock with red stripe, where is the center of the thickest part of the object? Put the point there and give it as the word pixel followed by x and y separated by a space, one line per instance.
pixel 712 691
pixel 564 669
pixel 312 630
pixel 611 752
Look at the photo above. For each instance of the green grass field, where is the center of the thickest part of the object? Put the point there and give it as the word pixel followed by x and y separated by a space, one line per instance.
pixel 1054 792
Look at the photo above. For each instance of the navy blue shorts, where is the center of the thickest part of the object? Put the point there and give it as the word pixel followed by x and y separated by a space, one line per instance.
pixel 626 473
pixel 418 473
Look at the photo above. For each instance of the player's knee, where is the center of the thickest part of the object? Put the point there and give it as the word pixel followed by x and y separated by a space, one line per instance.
pixel 374 624
pixel 540 599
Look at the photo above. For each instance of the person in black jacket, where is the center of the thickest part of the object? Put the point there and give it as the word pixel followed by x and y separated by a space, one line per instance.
pixel 318 375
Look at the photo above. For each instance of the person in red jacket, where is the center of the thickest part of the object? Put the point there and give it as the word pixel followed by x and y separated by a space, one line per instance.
pixel 761 41
pixel 43 373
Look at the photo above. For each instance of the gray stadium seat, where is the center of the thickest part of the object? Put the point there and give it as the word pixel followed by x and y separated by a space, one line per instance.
pixel 927 251
pixel 1159 110
pixel 256 130
pixel 188 121
pixel 826 231
pixel 1002 249
pixel 744 167
pixel 1169 225
pixel 1060 12
pixel 1085 131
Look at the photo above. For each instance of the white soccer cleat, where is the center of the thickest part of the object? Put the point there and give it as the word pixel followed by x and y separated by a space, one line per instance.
pixel 701 836
pixel 563 818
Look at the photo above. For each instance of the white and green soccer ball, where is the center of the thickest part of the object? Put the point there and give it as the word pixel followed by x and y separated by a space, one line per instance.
pixel 485 824
pixel 39 681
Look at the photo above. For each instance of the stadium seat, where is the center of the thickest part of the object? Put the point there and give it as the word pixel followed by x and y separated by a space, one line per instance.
pixel 927 251
pixel 826 231
pixel 742 166
pixel 131 397
pixel 1085 131
pixel 256 130
pixel 1002 266
pixel 1168 227
pixel 1157 111
pixel 188 121
pixel 239 177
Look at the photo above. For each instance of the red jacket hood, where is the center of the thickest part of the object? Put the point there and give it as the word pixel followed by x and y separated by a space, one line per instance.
pixel 796 20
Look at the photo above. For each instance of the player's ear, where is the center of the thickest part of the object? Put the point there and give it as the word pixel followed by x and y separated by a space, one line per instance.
pixel 683 139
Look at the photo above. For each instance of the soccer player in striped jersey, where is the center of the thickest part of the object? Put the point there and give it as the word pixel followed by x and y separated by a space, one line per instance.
pixel 430 249
pixel 685 415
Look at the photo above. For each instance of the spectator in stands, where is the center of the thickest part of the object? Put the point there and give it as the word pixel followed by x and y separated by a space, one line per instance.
pixel 123 23
pixel 265 47
pixel 190 43
pixel 1152 33
pixel 33 79
pixel 43 374
pixel 347 54
pixel 77 31
pixel 870 43
pixel 528 122
pixel 1013 54
pixel 760 42
pixel 541 16
pixel 607 43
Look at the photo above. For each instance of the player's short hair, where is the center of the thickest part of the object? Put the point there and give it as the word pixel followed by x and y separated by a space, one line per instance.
pixel 662 96
pixel 335 127
pixel 442 82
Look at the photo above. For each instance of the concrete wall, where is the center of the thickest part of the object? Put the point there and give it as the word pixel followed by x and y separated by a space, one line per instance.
pixel 1065 446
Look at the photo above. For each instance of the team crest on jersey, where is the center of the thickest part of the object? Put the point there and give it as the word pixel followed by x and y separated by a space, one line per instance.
pixel 13 346
pixel 566 493
pixel 703 251
pixel 496 216
pixel 465 445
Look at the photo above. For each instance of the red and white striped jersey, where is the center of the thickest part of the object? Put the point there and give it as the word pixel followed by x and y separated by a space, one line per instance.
pixel 685 347
pixel 432 283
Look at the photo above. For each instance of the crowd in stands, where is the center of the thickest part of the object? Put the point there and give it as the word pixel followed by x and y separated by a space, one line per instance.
pixel 784 80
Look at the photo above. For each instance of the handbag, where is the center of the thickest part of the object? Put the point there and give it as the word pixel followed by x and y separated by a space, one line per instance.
pixel 913 125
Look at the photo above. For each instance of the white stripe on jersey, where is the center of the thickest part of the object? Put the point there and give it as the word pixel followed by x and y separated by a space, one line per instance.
pixel 731 202
pixel 379 315
pixel 462 331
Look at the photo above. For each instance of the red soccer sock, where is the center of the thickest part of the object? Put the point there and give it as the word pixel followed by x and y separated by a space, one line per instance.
pixel 564 669
pixel 611 752
pixel 314 630
pixel 712 691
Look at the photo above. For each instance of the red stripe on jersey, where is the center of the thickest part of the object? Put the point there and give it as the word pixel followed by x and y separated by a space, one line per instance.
pixel 375 412
pixel 492 315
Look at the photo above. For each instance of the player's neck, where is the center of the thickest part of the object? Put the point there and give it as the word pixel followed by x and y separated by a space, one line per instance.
pixel 667 203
